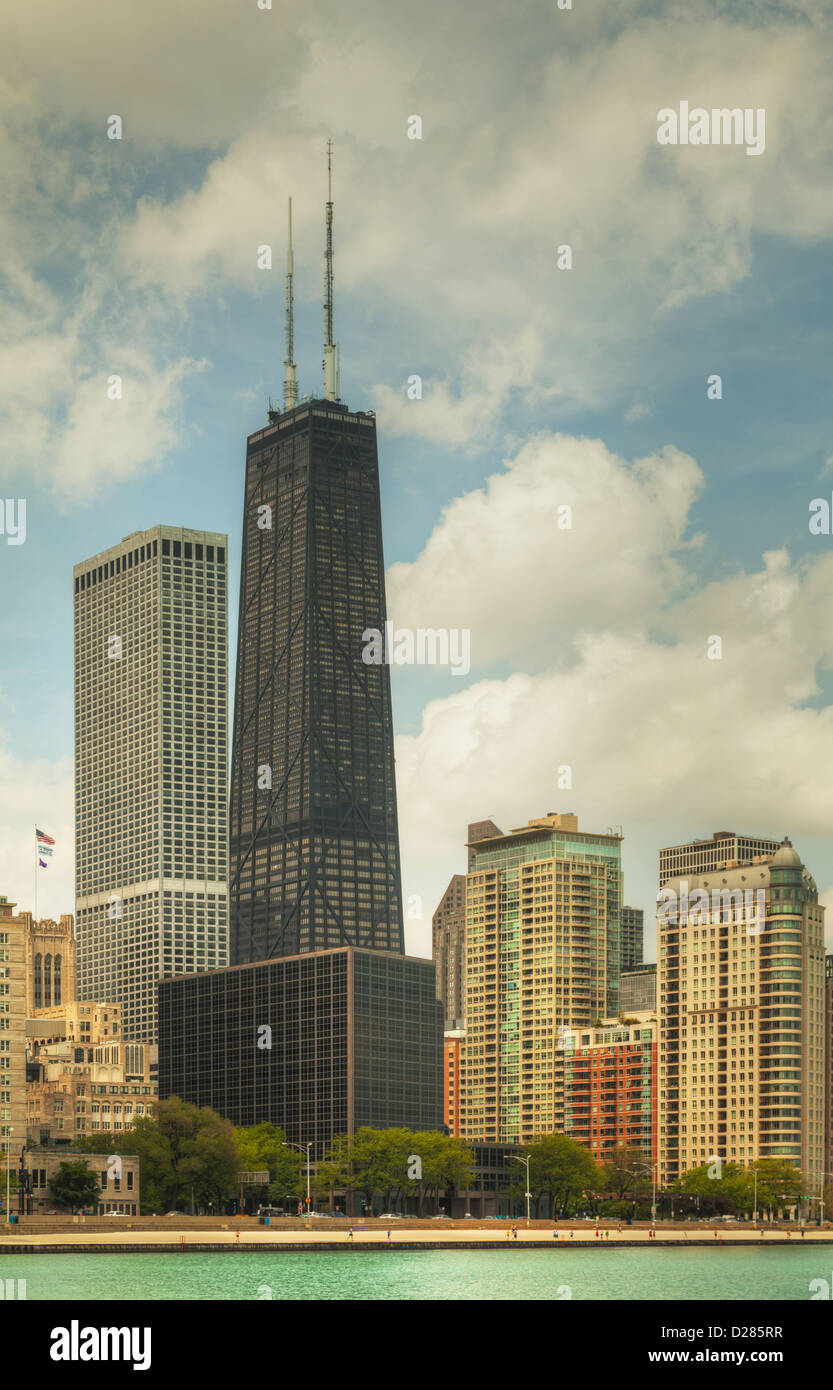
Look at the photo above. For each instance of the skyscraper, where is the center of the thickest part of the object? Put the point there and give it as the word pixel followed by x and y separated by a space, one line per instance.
pixel 321 1024
pixel 543 907
pixel 151 712
pixel 448 949
pixel 632 937
pixel 725 849
pixel 314 849
pixel 742 1017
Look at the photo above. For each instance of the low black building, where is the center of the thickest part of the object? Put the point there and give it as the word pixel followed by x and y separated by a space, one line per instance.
pixel 320 1043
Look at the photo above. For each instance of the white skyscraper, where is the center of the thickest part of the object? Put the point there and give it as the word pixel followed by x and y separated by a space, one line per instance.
pixel 151 759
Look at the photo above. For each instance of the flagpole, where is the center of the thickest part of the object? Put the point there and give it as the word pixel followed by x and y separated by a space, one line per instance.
pixel 36 876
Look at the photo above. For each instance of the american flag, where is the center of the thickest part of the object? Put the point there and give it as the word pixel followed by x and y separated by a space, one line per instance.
pixel 43 838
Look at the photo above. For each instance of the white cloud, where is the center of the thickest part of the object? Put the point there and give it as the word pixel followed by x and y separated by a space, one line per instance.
pixel 499 564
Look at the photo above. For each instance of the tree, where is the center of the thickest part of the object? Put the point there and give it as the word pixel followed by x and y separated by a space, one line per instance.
pixel 563 1169
pixel 335 1172
pixel 263 1148
pixel 180 1147
pixel 74 1185
pixel 623 1170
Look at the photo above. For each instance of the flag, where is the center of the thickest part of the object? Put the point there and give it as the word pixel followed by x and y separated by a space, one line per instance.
pixel 43 850
pixel 41 863
pixel 43 838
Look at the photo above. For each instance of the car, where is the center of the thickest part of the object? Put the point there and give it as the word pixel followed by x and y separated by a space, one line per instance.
pixel 115 1213
pixel 389 1216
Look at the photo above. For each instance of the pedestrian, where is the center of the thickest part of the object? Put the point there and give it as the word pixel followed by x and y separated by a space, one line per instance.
pixel 388 1235
pixel 350 1234
pixel 572 1233
pixel 514 1233
pixel 237 1235
pixel 555 1234
pixel 802 1232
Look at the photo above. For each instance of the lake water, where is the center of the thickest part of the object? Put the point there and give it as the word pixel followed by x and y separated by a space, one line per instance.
pixel 745 1273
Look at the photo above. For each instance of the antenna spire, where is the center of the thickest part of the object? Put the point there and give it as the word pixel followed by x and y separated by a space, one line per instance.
pixel 329 345
pixel 290 384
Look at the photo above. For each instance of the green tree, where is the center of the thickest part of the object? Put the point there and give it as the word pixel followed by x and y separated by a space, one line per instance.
pixel 180 1147
pixel 74 1185
pixel 722 1187
pixel 623 1171
pixel 263 1148
pixel 563 1169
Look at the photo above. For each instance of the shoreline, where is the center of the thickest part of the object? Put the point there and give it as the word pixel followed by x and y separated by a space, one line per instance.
pixel 270 1241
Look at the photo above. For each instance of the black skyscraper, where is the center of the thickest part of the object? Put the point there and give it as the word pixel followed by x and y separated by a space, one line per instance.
pixel 314 850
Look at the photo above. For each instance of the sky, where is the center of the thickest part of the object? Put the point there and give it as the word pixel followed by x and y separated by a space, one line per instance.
pixel 544 388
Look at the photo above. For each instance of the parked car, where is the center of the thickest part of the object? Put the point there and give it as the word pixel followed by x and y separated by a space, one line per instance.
pixel 389 1216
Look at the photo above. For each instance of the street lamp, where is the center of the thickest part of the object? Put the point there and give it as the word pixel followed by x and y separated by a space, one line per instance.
pixel 302 1148
pixel 527 1194
pixel 755 1199
pixel 652 1169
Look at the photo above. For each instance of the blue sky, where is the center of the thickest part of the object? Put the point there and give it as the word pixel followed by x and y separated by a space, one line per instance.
pixel 138 257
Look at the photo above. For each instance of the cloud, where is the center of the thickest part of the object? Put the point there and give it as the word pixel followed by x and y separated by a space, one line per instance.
pixel 545 136
pixel 502 562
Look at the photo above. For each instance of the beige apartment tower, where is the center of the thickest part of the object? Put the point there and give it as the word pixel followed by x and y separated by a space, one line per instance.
pixel 741 995
pixel 543 910
pixel 151 757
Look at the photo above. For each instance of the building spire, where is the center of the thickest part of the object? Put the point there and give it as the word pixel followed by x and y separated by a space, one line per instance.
pixel 290 384
pixel 329 345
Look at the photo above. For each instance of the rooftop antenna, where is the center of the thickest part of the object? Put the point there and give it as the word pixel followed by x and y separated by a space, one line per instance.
pixel 290 384
pixel 329 345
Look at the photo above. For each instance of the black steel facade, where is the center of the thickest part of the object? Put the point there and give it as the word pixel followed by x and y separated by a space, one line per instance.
pixel 314 851
pixel 320 1043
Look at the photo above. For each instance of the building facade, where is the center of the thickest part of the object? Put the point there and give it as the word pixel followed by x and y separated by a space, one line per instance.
pixel 151 715
pixel 454 1040
pixel 638 989
pixel 117 1174
pixel 314 852
pixel 632 937
pixel 610 1086
pixel 50 963
pixel 12 1031
pixel 742 1067
pixel 448 940
pixel 83 1077
pixel 320 1043
pixel 543 921
pixel 725 850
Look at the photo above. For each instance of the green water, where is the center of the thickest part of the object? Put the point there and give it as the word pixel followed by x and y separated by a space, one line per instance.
pixel 768 1275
